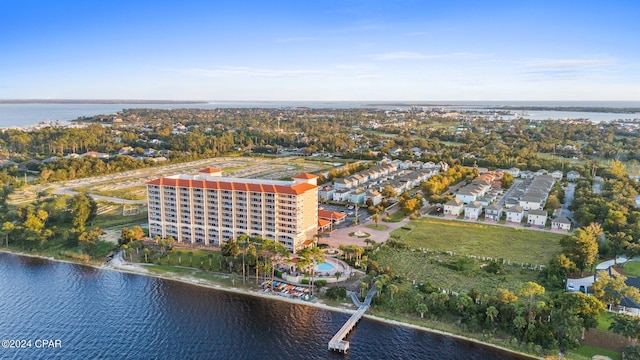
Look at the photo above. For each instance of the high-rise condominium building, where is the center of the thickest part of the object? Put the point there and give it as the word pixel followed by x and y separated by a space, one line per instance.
pixel 208 208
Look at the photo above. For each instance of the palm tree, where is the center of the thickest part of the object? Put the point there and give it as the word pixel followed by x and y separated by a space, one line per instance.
pixel 363 286
pixel 337 275
pixel 233 277
pixel 190 253
pixel 180 258
pixel 210 256
pixel 422 308
pixel 7 227
pixel 492 313
pixel 392 290
pixel 146 254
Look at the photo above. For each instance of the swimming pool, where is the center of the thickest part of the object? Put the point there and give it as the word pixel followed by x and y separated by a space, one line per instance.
pixel 325 266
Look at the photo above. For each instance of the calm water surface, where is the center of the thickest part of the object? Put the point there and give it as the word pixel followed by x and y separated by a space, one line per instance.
pixel 106 314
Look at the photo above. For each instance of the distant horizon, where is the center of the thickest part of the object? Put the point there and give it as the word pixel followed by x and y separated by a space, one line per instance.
pixel 209 101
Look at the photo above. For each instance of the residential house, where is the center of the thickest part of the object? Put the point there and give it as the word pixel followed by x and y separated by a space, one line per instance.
pixel 530 202
pixel 453 208
pixel 537 218
pixel 472 210
pixel 375 196
pixel 573 175
pixel 357 197
pixel 515 214
pixel 341 195
pixel 557 175
pixel 561 223
pixel 493 212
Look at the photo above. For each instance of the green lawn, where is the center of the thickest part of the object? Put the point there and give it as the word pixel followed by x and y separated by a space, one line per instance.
pixel 632 268
pixel 587 352
pixel 397 216
pixel 130 193
pixel 115 219
pixel 377 227
pixel 463 238
pixel 604 320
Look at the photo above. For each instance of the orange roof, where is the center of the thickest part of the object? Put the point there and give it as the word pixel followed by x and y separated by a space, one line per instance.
pixel 210 170
pixel 305 176
pixel 326 214
pixel 323 223
pixel 231 185
pixel 307 242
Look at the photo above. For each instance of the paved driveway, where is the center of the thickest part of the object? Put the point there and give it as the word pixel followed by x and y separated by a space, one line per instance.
pixel 341 236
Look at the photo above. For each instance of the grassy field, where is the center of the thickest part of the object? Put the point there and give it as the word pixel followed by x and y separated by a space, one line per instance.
pixel 587 352
pixel 130 193
pixel 632 268
pixel 604 320
pixel 115 219
pixel 439 271
pixel 463 238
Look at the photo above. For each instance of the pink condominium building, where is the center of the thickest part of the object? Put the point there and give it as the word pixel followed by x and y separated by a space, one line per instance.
pixel 208 208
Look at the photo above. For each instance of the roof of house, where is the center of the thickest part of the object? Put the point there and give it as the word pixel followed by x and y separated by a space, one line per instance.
pixel 454 202
pixel 537 212
pixel 562 220
pixel 474 205
pixel 326 214
pixel 306 176
pixel 515 209
pixel 494 207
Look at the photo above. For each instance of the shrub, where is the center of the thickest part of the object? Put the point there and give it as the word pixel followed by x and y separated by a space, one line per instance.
pixel 494 267
pixel 335 293
pixel 304 282
pixel 320 283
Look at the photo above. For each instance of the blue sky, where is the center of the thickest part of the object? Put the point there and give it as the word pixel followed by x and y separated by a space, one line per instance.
pixel 320 50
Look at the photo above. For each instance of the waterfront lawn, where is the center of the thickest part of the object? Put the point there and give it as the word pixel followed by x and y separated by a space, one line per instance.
pixel 464 238
pixel 587 352
pixel 452 273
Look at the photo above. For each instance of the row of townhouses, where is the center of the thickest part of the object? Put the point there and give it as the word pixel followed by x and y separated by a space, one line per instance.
pixel 367 184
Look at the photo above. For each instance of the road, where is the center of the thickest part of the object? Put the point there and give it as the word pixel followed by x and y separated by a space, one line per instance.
pixel 568 199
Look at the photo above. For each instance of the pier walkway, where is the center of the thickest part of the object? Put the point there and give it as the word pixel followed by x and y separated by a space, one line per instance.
pixel 337 342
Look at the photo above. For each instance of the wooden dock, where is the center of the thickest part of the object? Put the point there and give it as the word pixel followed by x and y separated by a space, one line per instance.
pixel 337 342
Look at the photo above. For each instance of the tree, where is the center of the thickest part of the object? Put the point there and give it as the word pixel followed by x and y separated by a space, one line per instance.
pixel 392 290
pixel 146 252
pixel 81 208
pixel 625 325
pixel 389 192
pixel 491 313
pixel 190 254
pixel 617 244
pixel 581 248
pixel 611 289
pixel 507 180
pixel 363 287
pixel 233 277
pixel 422 308
pixel 89 238
pixel 7 228
pixel 337 275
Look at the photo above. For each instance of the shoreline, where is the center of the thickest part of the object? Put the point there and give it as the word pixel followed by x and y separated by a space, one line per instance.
pixel 137 269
